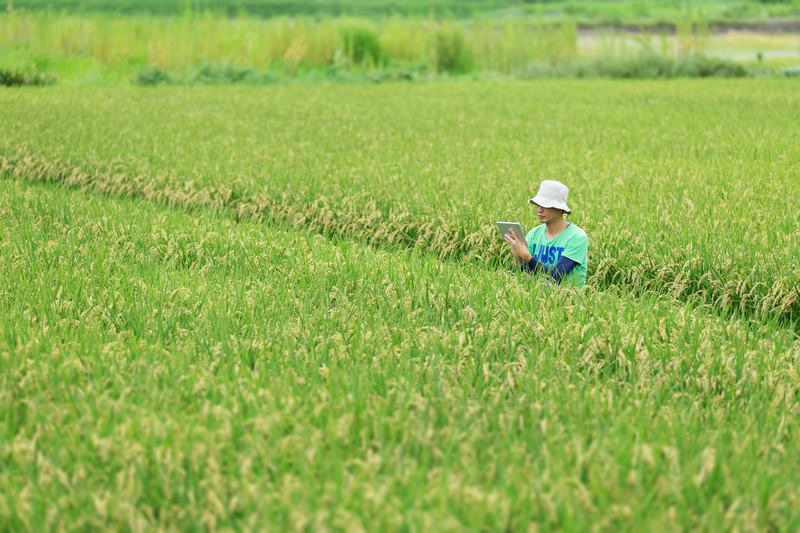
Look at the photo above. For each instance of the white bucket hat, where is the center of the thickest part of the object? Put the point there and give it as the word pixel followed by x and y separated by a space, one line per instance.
pixel 552 194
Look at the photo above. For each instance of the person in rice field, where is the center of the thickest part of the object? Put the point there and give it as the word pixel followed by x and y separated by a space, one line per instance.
pixel 557 246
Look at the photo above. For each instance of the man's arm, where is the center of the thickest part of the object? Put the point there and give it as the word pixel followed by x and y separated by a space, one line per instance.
pixel 562 268
pixel 532 265
pixel 558 272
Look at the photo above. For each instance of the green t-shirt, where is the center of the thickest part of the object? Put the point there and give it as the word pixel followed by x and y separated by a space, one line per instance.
pixel 572 243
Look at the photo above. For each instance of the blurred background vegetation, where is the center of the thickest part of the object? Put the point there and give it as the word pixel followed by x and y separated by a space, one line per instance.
pixel 583 11
pixel 179 41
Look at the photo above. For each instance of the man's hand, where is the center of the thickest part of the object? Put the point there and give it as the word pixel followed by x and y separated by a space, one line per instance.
pixel 519 247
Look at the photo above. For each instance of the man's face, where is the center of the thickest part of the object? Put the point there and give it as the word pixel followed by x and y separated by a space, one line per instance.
pixel 548 214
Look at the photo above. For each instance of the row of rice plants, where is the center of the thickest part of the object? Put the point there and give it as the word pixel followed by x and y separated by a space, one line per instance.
pixel 160 369
pixel 659 176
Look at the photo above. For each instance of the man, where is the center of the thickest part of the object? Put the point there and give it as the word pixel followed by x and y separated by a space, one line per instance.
pixel 556 246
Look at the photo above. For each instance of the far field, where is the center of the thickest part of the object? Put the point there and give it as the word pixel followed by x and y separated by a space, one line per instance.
pixel 288 307
pixel 587 11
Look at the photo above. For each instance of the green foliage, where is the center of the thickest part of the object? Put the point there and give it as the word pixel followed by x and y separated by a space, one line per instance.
pixel 649 65
pixel 273 8
pixel 211 49
pixel 700 66
pixel 14 77
pixel 643 66
pixel 152 76
pixel 226 73
pixel 791 72
pixel 451 53
pixel 209 74
pixel 586 11
pixel 362 46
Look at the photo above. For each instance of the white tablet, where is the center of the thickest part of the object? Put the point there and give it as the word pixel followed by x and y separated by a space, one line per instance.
pixel 505 227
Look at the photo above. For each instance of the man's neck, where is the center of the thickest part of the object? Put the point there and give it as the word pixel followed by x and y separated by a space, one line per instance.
pixel 557 226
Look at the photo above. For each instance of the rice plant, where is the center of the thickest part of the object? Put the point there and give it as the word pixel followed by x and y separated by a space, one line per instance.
pixel 421 169
pixel 170 369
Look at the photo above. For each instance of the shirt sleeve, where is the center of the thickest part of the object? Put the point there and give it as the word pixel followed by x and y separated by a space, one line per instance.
pixel 564 267
pixel 532 266
pixel 577 248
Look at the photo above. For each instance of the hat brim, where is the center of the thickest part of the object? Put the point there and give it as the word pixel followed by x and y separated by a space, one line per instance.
pixel 547 202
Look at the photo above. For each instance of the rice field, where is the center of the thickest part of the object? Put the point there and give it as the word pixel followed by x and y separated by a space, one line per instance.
pixel 712 173
pixel 287 307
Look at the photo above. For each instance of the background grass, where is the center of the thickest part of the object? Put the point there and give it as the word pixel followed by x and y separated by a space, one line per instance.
pixel 585 11
pixel 206 48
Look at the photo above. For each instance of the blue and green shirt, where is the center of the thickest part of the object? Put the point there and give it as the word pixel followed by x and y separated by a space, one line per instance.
pixel 572 243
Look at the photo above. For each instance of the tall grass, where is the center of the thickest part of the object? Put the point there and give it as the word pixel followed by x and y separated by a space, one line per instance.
pixel 179 43
pixel 658 12
pixel 179 46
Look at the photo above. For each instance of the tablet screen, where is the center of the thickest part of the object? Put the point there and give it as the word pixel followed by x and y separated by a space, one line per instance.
pixel 505 227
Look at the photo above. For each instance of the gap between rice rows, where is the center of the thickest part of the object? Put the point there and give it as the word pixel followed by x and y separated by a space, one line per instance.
pixel 362 218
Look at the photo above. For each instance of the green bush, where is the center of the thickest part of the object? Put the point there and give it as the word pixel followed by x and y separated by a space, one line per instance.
pixel 452 53
pixel 152 76
pixel 363 46
pixel 700 66
pixel 650 65
pixel 209 73
pixel 791 72
pixel 642 66
pixel 10 77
